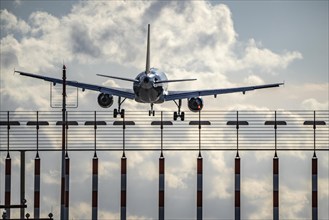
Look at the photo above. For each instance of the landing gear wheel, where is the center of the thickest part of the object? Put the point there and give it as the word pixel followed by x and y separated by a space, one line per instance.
pixel 182 116
pixel 151 113
pixel 119 111
pixel 115 113
pixel 179 114
pixel 175 116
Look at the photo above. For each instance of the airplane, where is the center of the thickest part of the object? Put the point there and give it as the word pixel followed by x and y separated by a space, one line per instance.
pixel 150 86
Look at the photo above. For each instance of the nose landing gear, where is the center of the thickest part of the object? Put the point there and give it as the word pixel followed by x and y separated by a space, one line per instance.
pixel 151 112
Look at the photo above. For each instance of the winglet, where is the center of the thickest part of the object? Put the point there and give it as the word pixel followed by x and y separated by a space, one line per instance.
pixel 147 69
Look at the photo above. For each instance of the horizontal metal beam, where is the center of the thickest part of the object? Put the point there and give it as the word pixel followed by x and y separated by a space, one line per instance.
pixel 199 123
pixel 126 123
pixel 95 123
pixel 167 149
pixel 161 123
pixel 237 122
pixel 314 123
pixel 67 123
pixel 35 123
pixel 275 123
pixel 5 123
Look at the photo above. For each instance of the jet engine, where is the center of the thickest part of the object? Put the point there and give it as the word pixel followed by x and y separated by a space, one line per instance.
pixel 195 104
pixel 105 100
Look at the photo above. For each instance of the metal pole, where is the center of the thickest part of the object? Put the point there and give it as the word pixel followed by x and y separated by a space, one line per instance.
pixel 275 143
pixel 199 188
pixel 275 176
pixel 237 163
pixel 199 134
pixel 37 187
pixel 63 170
pixel 237 134
pixel 314 177
pixel 8 128
pixel 8 173
pixel 67 173
pixel 161 176
pixel 94 214
pixel 314 188
pixel 161 187
pixel 123 210
pixel 37 176
pixel 8 185
pixel 237 210
pixel 275 188
pixel 123 188
pixel 199 176
pixel 22 184
pixel 67 187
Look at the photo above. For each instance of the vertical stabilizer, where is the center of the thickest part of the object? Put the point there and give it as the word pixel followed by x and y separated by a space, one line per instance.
pixel 147 69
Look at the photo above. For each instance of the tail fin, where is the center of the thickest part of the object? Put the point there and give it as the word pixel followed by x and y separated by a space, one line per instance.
pixel 147 69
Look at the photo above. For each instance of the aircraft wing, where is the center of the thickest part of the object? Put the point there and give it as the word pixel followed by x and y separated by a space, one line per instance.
pixel 174 95
pixel 126 93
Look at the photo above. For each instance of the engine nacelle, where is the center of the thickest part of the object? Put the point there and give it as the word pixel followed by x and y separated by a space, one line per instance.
pixel 105 100
pixel 195 104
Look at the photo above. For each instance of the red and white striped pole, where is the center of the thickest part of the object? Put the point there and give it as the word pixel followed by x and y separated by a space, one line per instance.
pixel 94 212
pixel 37 187
pixel 237 188
pixel 123 187
pixel 8 173
pixel 275 167
pixel 67 186
pixel 95 188
pixel 37 176
pixel 314 187
pixel 276 188
pixel 161 186
pixel 199 187
pixel 199 176
pixel 7 185
pixel 237 180
pixel 315 174
pixel 161 176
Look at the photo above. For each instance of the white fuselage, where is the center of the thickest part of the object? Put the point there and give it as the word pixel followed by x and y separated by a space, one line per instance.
pixel 147 90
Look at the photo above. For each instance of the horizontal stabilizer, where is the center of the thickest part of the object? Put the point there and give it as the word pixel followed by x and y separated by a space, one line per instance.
pixel 120 78
pixel 175 80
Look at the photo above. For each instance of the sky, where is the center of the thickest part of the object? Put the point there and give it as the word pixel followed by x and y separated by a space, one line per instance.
pixel 221 43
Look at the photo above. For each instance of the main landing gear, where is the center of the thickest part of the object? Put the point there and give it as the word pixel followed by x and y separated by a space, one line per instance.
pixel 151 112
pixel 119 111
pixel 179 114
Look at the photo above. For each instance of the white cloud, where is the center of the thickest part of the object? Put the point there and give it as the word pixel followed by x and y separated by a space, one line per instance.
pixel 10 23
pixel 313 104
pixel 254 80
pixel 290 209
pixel 258 195
pixel 265 59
